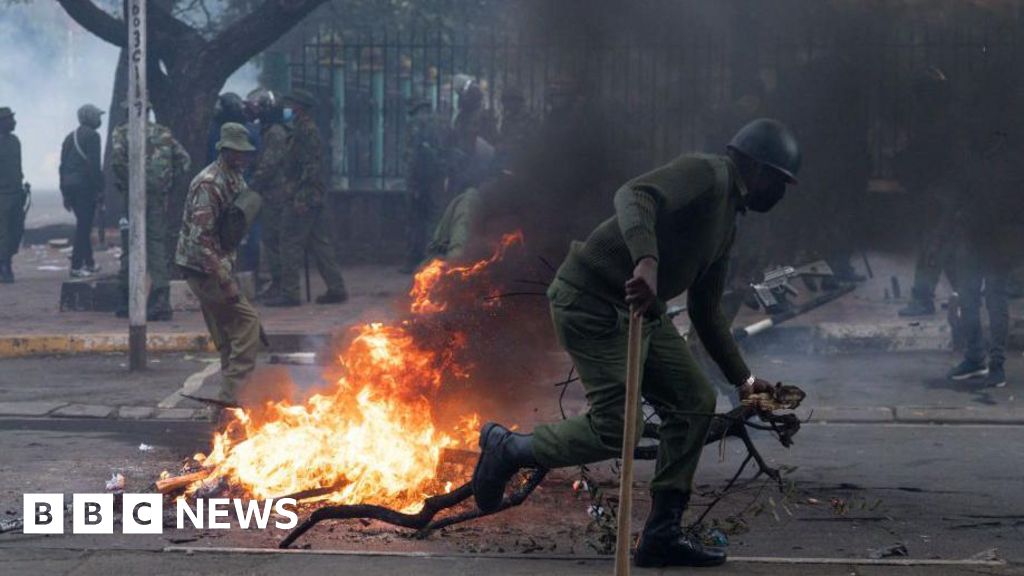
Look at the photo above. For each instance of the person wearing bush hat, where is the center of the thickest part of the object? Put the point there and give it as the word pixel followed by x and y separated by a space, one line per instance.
pixel 206 258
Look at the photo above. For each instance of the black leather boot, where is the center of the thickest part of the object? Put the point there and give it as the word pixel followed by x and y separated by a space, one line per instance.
pixel 158 306
pixel 502 454
pixel 663 543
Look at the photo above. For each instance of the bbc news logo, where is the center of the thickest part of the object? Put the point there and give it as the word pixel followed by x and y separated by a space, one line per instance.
pixel 144 513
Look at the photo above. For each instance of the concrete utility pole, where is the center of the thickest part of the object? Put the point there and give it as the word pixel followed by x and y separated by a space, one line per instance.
pixel 137 117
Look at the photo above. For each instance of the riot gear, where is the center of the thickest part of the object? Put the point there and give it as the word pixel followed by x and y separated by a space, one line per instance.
pixel 771 143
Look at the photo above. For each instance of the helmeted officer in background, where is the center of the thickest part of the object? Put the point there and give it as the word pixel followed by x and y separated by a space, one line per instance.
pixel 269 179
pixel 81 185
pixel 13 195
pixel 305 221
pixel 425 167
pixel 672 232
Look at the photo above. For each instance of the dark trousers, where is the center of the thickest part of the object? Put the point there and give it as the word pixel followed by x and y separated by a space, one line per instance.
pixel 83 203
pixel 983 275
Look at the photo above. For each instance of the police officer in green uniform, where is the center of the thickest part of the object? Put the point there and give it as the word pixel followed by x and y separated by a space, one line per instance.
pixel 167 162
pixel 12 195
pixel 672 233
pixel 305 222
pixel 206 258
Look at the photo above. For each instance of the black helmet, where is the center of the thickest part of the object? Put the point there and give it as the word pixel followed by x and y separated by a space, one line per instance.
pixel 769 142
pixel 229 108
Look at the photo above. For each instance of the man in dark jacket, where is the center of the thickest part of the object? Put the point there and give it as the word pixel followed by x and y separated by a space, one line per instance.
pixel 13 193
pixel 672 232
pixel 81 185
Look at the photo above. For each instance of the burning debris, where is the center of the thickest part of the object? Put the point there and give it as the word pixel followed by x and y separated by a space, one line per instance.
pixel 372 439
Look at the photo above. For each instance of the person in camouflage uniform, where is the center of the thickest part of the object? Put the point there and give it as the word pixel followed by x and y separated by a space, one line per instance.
pixel 208 264
pixel 305 224
pixel 12 195
pixel 269 179
pixel 167 162
pixel 424 160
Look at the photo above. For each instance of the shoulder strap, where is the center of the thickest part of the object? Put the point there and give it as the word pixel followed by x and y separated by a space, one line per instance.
pixel 79 146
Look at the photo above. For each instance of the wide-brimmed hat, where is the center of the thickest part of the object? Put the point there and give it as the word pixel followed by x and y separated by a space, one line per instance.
pixel 6 112
pixel 302 97
pixel 234 136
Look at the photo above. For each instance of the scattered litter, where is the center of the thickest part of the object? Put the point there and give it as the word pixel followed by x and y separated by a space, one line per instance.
pixel 145 447
pixel 116 483
pixel 595 511
pixel 580 486
pixel 898 549
pixel 51 268
pixel 990 555
pixel 58 243
pixel 813 501
pixel 718 538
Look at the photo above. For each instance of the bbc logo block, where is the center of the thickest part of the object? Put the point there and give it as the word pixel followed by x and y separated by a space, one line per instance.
pixel 93 513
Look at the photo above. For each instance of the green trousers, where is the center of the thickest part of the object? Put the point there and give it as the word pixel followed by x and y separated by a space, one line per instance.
pixel 309 231
pixel 157 265
pixel 271 219
pixel 594 333
pixel 12 223
pixel 235 329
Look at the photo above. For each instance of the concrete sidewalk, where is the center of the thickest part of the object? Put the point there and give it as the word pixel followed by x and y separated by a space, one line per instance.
pixel 32 324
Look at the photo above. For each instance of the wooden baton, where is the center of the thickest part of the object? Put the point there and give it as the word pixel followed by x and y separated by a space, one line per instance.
pixel 633 362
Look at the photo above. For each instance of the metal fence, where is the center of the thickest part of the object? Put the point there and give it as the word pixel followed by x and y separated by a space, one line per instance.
pixel 678 91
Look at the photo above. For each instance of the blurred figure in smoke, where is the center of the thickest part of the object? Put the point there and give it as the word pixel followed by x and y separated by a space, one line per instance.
pixel 13 195
pixel 81 185
pixel 425 159
pixel 518 126
pixel 471 142
pixel 672 232
pixel 992 226
pixel 825 224
pixel 931 168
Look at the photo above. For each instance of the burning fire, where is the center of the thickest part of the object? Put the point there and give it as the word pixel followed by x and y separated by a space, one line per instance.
pixel 372 435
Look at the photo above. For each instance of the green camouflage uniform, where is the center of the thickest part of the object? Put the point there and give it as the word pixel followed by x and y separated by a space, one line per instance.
pixel 12 197
pixel 208 266
pixel 270 181
pixel 305 223
pixel 684 215
pixel 167 162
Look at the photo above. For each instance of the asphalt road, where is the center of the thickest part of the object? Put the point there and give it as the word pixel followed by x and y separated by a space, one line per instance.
pixel 947 492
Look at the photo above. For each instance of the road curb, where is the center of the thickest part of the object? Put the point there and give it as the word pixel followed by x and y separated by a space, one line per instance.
pixel 32 345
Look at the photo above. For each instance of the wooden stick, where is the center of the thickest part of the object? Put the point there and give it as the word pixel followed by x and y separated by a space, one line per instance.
pixel 632 407
pixel 178 482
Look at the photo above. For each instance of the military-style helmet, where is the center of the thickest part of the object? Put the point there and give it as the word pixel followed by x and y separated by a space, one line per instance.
pixel 771 143
pixel 6 112
pixel 229 108
pixel 90 115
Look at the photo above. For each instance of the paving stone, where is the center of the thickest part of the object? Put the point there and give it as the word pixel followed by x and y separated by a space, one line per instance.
pixel 174 414
pixel 33 408
pixel 136 412
pixel 85 411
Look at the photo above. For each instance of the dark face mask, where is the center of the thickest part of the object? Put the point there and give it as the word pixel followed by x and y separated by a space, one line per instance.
pixel 764 198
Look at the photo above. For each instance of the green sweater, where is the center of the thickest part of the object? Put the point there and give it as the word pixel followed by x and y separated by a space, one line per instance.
pixel 684 215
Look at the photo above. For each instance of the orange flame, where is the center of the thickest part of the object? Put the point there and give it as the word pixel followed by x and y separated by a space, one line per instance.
pixel 426 283
pixel 373 433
